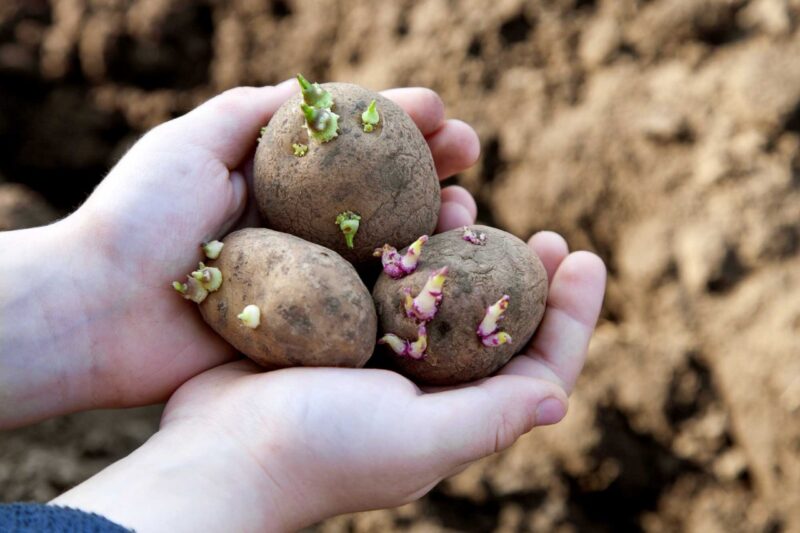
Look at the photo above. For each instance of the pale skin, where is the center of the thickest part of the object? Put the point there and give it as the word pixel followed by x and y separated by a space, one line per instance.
pixel 258 451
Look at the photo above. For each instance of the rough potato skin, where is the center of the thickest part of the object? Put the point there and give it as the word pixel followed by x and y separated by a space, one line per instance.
pixel 315 311
pixel 478 276
pixel 387 176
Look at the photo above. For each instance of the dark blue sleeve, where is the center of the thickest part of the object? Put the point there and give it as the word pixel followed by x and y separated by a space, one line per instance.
pixel 35 517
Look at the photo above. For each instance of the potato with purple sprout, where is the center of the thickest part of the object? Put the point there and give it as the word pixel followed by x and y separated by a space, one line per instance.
pixel 457 306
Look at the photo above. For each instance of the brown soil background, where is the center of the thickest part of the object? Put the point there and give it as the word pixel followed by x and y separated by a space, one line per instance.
pixel 663 134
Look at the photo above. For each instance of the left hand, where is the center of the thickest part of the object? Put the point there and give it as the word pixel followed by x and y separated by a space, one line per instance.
pixel 119 335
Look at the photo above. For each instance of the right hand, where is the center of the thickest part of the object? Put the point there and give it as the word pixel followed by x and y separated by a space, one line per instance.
pixel 243 450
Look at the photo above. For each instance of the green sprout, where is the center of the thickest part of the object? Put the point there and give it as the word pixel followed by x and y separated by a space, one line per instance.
pixel 348 222
pixel 370 117
pixel 250 316
pixel 322 124
pixel 212 249
pixel 209 277
pixel 191 290
pixel 314 95
pixel 199 283
pixel 261 133
pixel 300 149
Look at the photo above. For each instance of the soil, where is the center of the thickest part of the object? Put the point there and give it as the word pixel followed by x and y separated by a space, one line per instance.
pixel 662 134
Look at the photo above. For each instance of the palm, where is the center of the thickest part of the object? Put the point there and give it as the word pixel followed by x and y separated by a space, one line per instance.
pixel 185 183
pixel 342 417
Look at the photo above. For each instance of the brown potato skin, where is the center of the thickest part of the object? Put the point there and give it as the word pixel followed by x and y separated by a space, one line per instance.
pixel 315 311
pixel 478 276
pixel 387 176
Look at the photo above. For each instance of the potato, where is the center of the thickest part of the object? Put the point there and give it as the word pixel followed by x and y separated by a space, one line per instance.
pixel 314 310
pixel 479 275
pixel 386 176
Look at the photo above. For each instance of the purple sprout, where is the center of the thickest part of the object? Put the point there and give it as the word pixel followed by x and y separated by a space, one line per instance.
pixel 398 266
pixel 426 304
pixel 474 237
pixel 489 330
pixel 404 348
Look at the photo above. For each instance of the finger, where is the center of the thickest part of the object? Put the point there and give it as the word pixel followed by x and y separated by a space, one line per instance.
pixel 423 105
pixel 558 350
pixel 228 125
pixel 455 147
pixel 460 195
pixel 453 215
pixel 551 249
pixel 238 203
pixel 469 423
pixel 250 218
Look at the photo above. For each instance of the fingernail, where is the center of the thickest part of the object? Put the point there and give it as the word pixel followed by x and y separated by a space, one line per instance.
pixel 549 411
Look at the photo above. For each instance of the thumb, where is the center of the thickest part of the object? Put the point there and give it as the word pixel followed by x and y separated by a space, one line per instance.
pixel 470 423
pixel 227 125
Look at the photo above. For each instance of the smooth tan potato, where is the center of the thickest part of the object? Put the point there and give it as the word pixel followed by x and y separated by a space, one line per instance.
pixel 478 276
pixel 315 311
pixel 386 176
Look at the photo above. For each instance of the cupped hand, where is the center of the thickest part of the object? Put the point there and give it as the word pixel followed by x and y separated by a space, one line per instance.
pixel 183 183
pixel 281 450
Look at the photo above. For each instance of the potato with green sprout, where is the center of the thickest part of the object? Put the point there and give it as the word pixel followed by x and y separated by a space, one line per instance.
pixel 457 306
pixel 344 167
pixel 284 302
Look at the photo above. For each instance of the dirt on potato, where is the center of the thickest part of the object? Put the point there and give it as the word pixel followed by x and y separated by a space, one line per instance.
pixel 662 134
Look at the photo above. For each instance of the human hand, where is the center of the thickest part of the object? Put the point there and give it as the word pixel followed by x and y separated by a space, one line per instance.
pixel 281 450
pixel 122 336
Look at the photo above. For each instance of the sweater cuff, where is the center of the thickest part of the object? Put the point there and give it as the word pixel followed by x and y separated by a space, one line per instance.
pixel 34 517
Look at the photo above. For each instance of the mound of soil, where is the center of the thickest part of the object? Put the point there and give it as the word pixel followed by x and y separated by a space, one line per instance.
pixel 663 134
